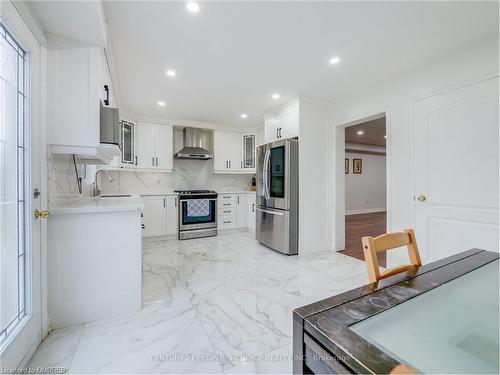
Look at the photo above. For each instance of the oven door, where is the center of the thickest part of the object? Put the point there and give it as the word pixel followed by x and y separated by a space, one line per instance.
pixel 187 222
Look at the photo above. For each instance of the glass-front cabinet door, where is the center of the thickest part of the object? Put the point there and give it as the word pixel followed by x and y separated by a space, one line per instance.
pixel 128 142
pixel 249 151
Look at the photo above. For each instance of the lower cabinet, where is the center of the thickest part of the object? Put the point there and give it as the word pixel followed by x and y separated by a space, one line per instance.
pixel 160 215
pixel 251 200
pixel 233 211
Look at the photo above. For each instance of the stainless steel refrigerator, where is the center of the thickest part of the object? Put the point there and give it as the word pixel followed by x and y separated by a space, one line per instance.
pixel 277 223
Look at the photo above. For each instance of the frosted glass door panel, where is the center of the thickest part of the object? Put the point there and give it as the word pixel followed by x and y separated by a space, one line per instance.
pixel 450 329
pixel 12 191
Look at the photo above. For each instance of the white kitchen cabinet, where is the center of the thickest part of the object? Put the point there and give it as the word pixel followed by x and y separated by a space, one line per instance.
pixel 73 92
pixel 227 151
pixel 282 124
pixel 172 214
pixel 146 145
pixel 234 152
pixel 251 200
pixel 94 265
pixel 154 215
pixel 164 147
pixel 154 147
pixel 248 152
pixel 241 210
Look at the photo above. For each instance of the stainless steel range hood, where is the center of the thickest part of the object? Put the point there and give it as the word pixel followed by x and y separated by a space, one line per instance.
pixel 196 144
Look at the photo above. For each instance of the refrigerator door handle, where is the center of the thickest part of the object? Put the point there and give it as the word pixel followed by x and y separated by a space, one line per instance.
pixel 272 212
pixel 265 174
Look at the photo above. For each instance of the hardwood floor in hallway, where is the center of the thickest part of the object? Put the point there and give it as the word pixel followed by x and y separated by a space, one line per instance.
pixel 357 226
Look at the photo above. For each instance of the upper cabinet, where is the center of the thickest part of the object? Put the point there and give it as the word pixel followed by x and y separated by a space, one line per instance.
pixel 234 152
pixel 73 81
pixel 282 124
pixel 75 87
pixel 154 149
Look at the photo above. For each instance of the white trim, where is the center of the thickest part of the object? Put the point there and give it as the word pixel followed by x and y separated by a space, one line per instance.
pixel 364 211
pixel 30 21
pixel 337 204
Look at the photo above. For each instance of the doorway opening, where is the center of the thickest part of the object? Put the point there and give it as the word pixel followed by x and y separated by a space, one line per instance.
pixel 365 184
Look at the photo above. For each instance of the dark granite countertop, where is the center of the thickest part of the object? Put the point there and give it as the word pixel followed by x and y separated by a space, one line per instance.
pixel 328 321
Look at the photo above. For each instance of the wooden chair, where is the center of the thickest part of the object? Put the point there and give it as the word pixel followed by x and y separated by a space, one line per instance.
pixel 384 242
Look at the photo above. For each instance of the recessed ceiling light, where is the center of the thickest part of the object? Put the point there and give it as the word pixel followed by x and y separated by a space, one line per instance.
pixel 193 7
pixel 360 132
pixel 161 104
pixel 243 115
pixel 171 73
pixel 334 60
pixel 276 96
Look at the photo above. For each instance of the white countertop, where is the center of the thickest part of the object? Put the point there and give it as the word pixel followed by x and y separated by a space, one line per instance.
pixel 95 204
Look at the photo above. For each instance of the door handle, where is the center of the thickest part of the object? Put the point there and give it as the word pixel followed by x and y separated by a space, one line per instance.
pixel 41 214
pixel 422 198
pixel 278 213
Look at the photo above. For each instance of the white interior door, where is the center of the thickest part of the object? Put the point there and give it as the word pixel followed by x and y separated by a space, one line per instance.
pixel 456 170
pixel 21 162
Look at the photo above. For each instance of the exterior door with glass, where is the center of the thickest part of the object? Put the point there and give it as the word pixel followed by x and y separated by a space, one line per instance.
pixel 22 198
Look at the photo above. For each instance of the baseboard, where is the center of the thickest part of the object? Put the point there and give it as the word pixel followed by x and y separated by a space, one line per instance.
pixel 364 211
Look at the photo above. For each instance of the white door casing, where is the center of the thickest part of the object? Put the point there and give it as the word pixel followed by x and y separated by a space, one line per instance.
pixel 17 350
pixel 456 161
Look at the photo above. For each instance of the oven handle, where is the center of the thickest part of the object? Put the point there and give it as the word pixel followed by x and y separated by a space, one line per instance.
pixel 186 199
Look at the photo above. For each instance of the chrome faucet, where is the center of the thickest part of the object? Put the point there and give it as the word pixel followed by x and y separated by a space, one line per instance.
pixel 97 192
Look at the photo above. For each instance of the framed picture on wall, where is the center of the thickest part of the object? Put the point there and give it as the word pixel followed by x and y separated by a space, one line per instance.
pixel 346 166
pixel 357 166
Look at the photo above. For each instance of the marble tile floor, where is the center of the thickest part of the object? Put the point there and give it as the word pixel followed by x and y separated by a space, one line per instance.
pixel 214 305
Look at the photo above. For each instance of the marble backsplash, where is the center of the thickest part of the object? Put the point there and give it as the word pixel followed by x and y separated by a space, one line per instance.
pixel 187 174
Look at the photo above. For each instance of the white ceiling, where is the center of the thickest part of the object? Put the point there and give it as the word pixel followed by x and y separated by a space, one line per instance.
pixel 231 56
pixel 79 20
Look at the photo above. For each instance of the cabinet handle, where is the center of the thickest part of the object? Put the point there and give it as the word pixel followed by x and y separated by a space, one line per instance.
pixel 143 226
pixel 153 162
pixel 156 161
pixel 229 164
pixel 106 101
pixel 227 222
pixel 226 204
pixel 227 212
pixel 238 199
pixel 253 207
pixel 136 160
pixel 175 202
pixel 226 197
pixel 164 202
pixel 241 165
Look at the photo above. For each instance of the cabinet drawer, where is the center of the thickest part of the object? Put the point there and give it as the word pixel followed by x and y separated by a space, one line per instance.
pixel 227 222
pixel 226 204
pixel 227 197
pixel 226 211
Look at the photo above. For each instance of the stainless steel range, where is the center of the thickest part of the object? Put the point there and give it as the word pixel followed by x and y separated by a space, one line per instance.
pixel 197 213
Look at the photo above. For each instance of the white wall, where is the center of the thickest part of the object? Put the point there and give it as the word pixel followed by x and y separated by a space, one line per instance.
pixel 395 97
pixel 315 160
pixel 365 192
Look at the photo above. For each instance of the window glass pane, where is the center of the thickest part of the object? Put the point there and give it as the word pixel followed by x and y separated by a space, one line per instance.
pixel 278 172
pixel 13 253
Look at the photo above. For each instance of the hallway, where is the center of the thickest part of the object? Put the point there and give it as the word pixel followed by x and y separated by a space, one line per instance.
pixel 357 226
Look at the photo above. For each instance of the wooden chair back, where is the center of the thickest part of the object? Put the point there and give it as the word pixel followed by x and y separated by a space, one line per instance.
pixel 384 242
